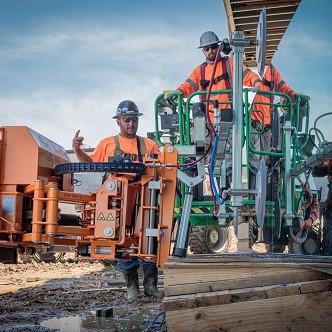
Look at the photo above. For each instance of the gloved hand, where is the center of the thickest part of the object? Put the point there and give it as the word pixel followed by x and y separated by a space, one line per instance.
pixel 169 95
pixel 226 47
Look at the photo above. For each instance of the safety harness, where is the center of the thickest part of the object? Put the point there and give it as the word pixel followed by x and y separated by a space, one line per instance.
pixel 141 149
pixel 226 76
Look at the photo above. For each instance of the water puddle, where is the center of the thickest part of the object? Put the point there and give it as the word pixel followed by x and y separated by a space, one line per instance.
pixel 122 320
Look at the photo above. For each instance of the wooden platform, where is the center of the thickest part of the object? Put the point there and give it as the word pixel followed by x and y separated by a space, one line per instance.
pixel 248 292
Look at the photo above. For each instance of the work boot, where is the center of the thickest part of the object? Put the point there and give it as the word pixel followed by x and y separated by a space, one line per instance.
pixel 150 282
pixel 131 277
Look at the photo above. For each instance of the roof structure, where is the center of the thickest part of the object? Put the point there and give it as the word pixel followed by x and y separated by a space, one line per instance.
pixel 244 15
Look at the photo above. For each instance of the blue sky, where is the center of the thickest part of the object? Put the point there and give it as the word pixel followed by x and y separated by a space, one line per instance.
pixel 66 65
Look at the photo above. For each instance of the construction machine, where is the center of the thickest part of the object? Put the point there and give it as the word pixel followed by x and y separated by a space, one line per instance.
pixel 148 209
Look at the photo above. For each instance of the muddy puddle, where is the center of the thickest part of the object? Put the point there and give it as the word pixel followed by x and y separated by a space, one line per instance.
pixel 123 319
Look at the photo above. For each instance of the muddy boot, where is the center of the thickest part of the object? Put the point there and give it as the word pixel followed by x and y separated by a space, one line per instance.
pixel 150 282
pixel 131 277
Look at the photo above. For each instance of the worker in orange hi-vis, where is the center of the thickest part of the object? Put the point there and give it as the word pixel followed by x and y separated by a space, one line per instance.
pixel 199 80
pixel 200 77
pixel 261 138
pixel 124 144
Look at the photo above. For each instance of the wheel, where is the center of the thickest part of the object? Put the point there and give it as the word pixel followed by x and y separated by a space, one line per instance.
pixel 48 257
pixel 327 233
pixel 208 240
pixel 197 241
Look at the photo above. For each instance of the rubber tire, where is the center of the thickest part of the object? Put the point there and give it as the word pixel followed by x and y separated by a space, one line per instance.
pixel 48 257
pixel 327 233
pixel 198 243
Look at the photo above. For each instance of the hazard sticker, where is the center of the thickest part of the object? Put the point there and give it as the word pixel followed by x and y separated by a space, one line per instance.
pixel 110 217
pixel 101 216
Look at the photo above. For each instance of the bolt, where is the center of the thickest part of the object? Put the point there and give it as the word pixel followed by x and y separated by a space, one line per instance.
pixel 170 149
pixel 202 176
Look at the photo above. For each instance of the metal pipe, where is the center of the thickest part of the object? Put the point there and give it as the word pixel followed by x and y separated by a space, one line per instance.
pixel 238 116
pixel 180 248
pixel 52 211
pixel 288 180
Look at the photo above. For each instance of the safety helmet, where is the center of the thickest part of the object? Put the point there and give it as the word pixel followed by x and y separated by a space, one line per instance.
pixel 208 38
pixel 127 108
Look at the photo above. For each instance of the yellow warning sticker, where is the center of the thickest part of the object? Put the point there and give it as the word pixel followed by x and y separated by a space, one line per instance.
pixel 101 216
pixel 110 217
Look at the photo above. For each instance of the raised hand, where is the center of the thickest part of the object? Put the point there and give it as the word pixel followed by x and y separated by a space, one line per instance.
pixel 77 141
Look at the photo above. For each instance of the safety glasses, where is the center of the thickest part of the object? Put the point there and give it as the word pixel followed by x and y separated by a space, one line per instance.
pixel 133 119
pixel 210 47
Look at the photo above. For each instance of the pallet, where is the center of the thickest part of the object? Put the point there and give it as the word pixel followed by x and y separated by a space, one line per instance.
pixel 248 292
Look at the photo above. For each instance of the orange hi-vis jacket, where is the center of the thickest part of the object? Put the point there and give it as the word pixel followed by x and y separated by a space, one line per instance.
pixel 109 146
pixel 273 81
pixel 199 79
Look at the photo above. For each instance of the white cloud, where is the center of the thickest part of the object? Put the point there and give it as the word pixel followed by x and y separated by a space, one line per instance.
pixel 138 66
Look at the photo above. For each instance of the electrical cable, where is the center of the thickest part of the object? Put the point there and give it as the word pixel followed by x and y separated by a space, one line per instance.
pixel 315 125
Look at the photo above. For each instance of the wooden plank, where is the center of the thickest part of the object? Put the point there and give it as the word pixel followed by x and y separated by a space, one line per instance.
pixel 291 276
pixel 180 302
pixel 316 286
pixel 304 312
pixel 251 257
pixel 196 300
pixel 217 273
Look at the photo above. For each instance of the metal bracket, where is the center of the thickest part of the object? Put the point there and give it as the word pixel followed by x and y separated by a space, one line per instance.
pixel 192 181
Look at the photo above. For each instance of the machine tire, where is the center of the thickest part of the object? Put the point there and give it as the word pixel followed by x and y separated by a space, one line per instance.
pixel 197 241
pixel 327 233
pixel 199 244
pixel 48 257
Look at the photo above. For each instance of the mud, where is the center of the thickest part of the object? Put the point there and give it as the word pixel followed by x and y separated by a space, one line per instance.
pixel 32 293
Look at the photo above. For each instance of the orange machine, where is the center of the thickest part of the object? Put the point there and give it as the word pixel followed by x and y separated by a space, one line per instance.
pixel 131 214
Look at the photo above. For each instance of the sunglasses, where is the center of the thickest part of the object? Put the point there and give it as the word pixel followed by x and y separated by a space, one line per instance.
pixel 133 119
pixel 211 47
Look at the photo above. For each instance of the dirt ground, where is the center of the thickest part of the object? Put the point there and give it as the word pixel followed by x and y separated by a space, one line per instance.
pixel 64 296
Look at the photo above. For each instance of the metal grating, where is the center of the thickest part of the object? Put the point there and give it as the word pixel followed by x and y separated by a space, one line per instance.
pixel 244 14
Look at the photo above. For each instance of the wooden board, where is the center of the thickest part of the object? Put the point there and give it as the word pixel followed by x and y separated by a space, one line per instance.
pixel 208 283
pixel 180 302
pixel 304 312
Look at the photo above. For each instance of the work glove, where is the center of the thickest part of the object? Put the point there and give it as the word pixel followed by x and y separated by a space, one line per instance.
pixel 170 97
pixel 226 47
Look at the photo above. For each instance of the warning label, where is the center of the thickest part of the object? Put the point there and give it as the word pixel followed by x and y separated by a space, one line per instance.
pixel 110 217
pixel 101 216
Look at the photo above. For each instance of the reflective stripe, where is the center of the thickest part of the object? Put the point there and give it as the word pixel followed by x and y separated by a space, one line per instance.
pixel 280 84
pixel 192 83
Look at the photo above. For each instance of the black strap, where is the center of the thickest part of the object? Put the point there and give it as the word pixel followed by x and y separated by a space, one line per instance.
pixel 225 76
pixel 141 148
pixel 140 159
